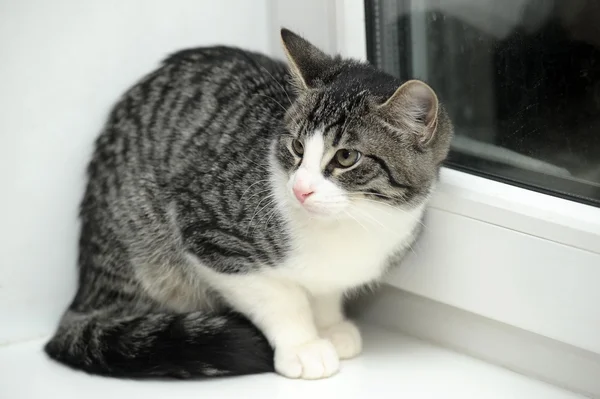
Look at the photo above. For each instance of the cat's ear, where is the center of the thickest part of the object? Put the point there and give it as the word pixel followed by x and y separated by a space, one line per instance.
pixel 306 61
pixel 414 105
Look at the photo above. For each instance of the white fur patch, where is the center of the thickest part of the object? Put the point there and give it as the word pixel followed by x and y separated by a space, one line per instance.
pixel 314 148
pixel 327 199
pixel 339 254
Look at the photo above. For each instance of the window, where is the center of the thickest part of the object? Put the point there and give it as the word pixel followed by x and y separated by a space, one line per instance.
pixel 520 79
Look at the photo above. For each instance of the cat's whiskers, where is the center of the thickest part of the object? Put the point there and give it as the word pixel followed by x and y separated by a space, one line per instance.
pixel 271 199
pixel 258 193
pixel 394 208
pixel 262 167
pixel 274 100
pixel 296 125
pixel 277 82
pixel 374 219
pixel 356 220
pixel 406 213
pixel 371 193
pixel 270 216
pixel 264 220
pixel 267 217
pixel 250 186
pixel 285 110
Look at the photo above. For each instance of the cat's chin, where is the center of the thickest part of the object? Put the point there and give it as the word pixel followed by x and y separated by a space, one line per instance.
pixel 319 211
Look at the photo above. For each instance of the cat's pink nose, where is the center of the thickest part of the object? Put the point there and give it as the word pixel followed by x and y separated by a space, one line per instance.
pixel 302 193
pixel 302 185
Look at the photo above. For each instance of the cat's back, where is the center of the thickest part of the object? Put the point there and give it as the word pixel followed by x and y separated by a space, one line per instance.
pixel 196 104
pixel 219 103
pixel 222 56
pixel 226 73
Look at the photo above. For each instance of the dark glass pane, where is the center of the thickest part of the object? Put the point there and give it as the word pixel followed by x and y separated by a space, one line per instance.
pixel 520 78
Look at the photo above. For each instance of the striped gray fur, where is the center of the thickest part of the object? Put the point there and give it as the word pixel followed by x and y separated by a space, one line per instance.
pixel 181 169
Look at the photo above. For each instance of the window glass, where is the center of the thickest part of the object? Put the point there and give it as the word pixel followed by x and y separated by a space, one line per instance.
pixel 520 79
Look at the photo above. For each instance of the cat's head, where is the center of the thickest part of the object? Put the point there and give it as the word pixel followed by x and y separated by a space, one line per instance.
pixel 356 135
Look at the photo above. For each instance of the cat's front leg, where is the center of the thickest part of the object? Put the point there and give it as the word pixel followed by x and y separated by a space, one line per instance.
pixel 282 311
pixel 332 325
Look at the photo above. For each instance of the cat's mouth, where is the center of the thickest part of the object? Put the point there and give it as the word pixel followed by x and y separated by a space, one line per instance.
pixel 316 210
pixel 319 206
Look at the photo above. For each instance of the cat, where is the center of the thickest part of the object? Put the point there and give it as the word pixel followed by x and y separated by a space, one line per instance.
pixel 233 202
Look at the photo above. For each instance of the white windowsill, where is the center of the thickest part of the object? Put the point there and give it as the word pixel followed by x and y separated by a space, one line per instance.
pixel 392 365
pixel 516 256
pixel 526 211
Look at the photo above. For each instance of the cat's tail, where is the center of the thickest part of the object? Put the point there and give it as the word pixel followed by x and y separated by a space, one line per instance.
pixel 160 345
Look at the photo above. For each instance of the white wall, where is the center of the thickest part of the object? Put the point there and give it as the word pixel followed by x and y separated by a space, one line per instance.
pixel 63 63
pixel 315 20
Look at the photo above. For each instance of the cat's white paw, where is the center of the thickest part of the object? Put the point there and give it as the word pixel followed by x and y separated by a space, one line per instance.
pixel 313 360
pixel 346 339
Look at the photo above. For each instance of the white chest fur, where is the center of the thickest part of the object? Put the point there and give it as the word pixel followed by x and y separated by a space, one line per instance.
pixel 339 255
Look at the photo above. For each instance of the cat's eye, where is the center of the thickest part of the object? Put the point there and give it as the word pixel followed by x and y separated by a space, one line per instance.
pixel 298 147
pixel 346 158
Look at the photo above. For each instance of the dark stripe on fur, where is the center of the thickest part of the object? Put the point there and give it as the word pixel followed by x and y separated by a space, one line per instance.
pixel 384 166
pixel 161 345
pixel 340 123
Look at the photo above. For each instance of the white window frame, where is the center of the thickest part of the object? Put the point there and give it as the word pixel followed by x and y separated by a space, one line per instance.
pixel 509 254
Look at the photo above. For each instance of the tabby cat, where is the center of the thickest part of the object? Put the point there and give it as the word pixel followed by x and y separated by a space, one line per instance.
pixel 234 202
